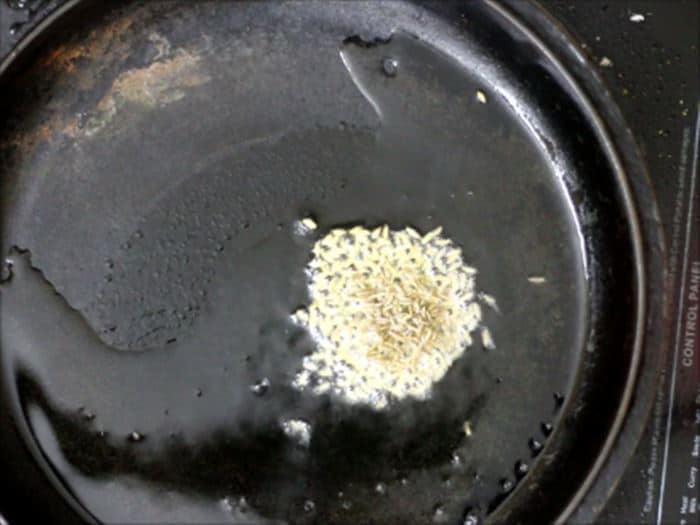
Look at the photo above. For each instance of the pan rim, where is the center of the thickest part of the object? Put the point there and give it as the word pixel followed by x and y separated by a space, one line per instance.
pixel 595 98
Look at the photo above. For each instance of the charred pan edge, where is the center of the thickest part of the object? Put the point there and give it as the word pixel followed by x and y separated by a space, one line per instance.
pixel 6 65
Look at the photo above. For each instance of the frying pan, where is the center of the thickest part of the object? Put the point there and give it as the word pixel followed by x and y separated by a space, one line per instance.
pixel 155 157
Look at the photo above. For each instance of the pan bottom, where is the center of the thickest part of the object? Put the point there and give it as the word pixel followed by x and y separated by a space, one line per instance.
pixel 152 355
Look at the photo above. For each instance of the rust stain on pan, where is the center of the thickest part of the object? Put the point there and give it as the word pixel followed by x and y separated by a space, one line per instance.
pixel 27 140
pixel 99 43
pixel 155 85
pixel 79 67
pixel 160 82
pixel 61 66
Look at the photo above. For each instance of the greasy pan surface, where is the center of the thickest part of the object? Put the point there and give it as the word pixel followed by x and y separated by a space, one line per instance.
pixel 154 163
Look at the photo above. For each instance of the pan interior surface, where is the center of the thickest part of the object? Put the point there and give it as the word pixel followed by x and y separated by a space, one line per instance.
pixel 154 168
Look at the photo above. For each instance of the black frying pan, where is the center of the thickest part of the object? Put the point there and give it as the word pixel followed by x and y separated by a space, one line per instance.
pixel 154 159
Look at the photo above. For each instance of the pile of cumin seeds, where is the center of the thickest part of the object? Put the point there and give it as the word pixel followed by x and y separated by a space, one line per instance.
pixel 390 311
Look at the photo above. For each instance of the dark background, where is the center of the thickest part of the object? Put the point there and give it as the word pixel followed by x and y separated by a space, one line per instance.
pixel 652 72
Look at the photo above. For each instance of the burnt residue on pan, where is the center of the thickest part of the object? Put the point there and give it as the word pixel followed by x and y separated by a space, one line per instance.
pixel 154 168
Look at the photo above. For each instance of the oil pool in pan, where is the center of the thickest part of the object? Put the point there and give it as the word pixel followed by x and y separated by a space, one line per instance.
pixel 181 394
